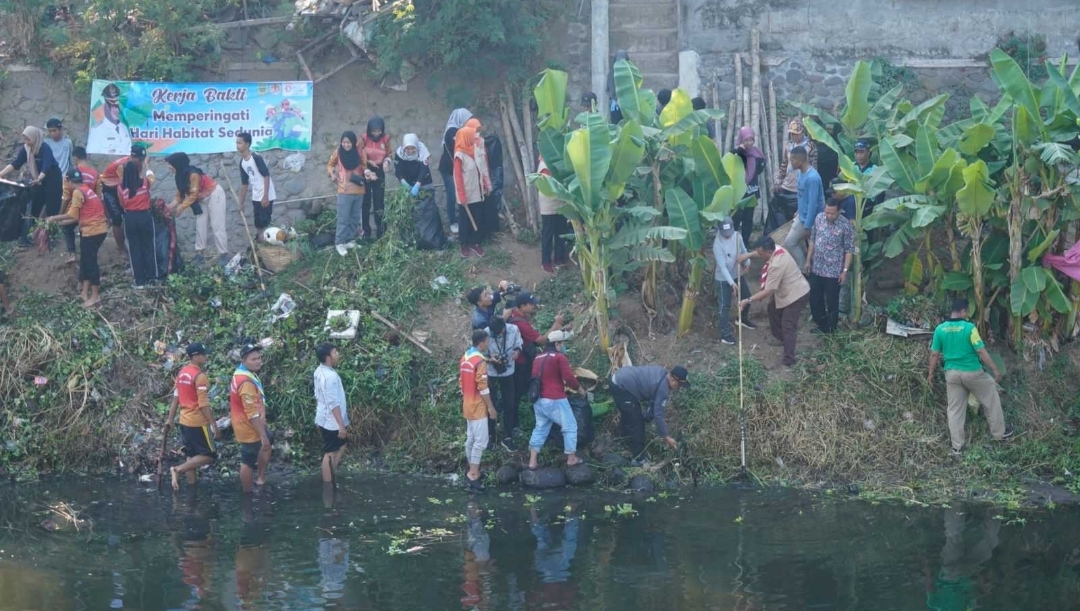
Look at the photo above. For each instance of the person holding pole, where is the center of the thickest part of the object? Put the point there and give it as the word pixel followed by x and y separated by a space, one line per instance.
pixel 728 246
pixel 255 176
pixel 472 184
pixel 331 409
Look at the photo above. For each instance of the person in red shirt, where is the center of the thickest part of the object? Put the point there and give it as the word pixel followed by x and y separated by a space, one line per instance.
pixel 525 306
pixel 140 228
pixel 552 368
pixel 192 398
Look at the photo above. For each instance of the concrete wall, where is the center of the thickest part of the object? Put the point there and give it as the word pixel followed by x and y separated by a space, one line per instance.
pixel 810 46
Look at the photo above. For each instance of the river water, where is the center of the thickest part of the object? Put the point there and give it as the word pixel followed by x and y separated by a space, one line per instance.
pixel 385 543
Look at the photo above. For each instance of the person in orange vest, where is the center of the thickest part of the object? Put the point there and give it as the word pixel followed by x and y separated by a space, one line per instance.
pixel 87 210
pixel 247 406
pixel 476 406
pixel 192 398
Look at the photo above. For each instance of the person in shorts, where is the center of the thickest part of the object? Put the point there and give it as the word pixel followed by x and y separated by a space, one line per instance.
pixel 331 409
pixel 192 397
pixel 255 174
pixel 247 406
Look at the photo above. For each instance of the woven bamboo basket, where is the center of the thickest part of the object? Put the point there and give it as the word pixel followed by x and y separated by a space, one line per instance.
pixel 276 258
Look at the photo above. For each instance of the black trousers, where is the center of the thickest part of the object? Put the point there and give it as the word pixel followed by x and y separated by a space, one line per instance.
pixel 631 419
pixel 552 244
pixel 467 236
pixel 89 270
pixel 782 209
pixel 743 219
pixel 374 203
pixel 139 234
pixel 522 375
pixel 504 396
pixel 825 302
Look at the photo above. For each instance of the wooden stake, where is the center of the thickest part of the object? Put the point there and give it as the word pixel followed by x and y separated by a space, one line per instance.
pixel 731 130
pixel 718 125
pixel 240 209
pixel 524 156
pixel 739 106
pixel 755 81
pixel 533 210
pixel 514 154
pixel 746 106
pixel 773 126
pixel 408 336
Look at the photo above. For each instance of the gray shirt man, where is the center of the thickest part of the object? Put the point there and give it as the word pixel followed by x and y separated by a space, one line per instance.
pixel 649 385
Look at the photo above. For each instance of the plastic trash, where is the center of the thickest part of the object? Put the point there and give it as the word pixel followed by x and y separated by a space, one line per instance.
pixel 234 265
pixel 439 282
pixel 294 162
pixel 282 308
pixel 350 331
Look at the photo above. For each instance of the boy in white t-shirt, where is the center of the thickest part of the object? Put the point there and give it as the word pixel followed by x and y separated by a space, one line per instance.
pixel 255 174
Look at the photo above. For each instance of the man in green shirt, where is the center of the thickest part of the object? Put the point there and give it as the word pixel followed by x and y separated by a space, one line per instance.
pixel 958 341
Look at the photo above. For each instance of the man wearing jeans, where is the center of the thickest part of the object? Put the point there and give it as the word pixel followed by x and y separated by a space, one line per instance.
pixel 811 201
pixel 832 244
pixel 957 340
pixel 727 247
pixel 641 394
pixel 552 368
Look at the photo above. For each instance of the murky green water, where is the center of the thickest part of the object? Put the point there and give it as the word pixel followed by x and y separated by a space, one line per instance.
pixel 297 548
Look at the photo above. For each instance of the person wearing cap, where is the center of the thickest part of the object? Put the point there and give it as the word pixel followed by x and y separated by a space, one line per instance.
pixel 811 202
pixel 331 409
pixel 552 368
pixel 87 210
pixel 641 394
pixel 786 290
pixel 476 405
pixel 832 245
pixel 108 133
pixel 957 342
pixel 247 407
pixel 728 246
pixel 525 306
pixel 504 344
pixel 191 396
pixel 786 188
pixel 483 301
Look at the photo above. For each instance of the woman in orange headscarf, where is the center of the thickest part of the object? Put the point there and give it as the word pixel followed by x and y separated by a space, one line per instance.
pixel 472 184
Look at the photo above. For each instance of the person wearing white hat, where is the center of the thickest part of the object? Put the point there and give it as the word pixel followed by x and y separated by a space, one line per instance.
pixel 728 246
pixel 552 370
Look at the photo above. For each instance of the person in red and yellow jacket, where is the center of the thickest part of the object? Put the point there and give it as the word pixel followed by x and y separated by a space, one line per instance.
pixel 206 198
pixel 86 209
pixel 247 407
pixel 476 405
pixel 192 398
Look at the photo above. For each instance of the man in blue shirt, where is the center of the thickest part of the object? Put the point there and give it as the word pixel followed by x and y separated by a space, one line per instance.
pixel 811 202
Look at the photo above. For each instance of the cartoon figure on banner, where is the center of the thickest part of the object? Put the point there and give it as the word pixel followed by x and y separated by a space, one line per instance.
pixel 108 133
pixel 286 121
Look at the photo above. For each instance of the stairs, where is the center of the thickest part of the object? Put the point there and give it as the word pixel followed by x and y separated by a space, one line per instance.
pixel 649 32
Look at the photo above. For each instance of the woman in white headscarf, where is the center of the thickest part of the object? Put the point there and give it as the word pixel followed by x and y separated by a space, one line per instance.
pixel 411 164
pixel 446 163
pixel 46 181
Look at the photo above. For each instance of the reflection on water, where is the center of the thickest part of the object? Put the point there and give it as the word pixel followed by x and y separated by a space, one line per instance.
pixel 304 547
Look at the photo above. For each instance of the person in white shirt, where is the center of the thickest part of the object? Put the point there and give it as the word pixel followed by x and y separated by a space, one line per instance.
pixel 254 173
pixel 110 136
pixel 331 411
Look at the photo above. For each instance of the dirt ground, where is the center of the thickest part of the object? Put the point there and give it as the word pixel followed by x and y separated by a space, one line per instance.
pixel 50 273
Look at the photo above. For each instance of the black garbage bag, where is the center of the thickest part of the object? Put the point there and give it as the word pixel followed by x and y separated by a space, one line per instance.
pixel 586 432
pixel 429 229
pixel 13 202
pixel 166 250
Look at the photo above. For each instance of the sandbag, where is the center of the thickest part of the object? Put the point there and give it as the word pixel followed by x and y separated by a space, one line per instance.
pixel 544 477
pixel 429 229
pixel 13 202
pixel 586 432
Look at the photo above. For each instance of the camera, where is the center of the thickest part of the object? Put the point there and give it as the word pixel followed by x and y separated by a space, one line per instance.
pixel 498 363
pixel 512 289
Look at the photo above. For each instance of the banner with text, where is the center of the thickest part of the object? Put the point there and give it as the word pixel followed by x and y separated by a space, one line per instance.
pixel 198 118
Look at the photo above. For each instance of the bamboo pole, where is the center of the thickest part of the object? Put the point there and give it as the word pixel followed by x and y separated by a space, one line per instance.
pixel 515 159
pixel 740 108
pixel 718 127
pixel 523 158
pixel 731 130
pixel 765 181
pixel 773 126
pixel 746 106
pixel 529 127
pixel 755 80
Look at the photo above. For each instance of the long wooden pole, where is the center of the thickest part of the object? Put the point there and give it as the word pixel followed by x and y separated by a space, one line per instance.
pixel 773 126
pixel 523 152
pixel 529 127
pixel 515 155
pixel 247 229
pixel 731 129
pixel 740 108
pixel 755 80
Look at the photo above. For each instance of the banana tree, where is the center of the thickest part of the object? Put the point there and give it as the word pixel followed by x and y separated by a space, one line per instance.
pixel 1040 201
pixel 719 184
pixel 589 170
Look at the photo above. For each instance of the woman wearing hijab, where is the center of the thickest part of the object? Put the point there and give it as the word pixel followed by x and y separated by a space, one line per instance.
pixel 482 211
pixel 206 198
pixel 346 169
pixel 376 144
pixel 88 211
pixel 446 163
pixel 613 96
pixel 472 184
pixel 754 162
pixel 46 181
pixel 140 228
pixel 411 164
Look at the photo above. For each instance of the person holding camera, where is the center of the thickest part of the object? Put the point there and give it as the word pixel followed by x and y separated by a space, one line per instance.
pixel 504 344
pixel 484 301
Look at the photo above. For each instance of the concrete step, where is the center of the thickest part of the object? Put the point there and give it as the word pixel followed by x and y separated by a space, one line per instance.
pixel 660 80
pixel 632 16
pixel 643 40
pixel 660 62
